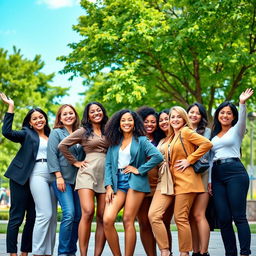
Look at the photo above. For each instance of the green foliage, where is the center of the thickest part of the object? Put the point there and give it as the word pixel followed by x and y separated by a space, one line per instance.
pixel 23 81
pixel 183 51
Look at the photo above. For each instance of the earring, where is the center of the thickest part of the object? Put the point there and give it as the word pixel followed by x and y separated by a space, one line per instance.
pixel 30 126
pixel 119 130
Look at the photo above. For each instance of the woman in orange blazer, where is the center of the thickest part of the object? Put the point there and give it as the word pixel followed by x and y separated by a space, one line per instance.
pixel 186 182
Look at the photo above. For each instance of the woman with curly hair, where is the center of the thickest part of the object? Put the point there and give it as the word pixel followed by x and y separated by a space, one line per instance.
pixel 129 158
pixel 90 176
pixel 154 134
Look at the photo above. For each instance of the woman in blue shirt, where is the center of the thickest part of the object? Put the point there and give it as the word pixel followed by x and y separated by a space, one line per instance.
pixel 126 178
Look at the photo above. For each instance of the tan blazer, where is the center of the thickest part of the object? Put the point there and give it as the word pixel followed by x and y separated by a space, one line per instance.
pixel 196 146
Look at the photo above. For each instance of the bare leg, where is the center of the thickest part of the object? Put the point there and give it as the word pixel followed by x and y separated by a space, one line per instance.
pixel 109 217
pixel 146 234
pixel 132 204
pixel 198 214
pixel 194 230
pixel 86 197
pixel 167 222
pixel 100 238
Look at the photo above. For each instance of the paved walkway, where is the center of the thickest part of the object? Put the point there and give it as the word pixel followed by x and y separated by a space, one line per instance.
pixel 215 247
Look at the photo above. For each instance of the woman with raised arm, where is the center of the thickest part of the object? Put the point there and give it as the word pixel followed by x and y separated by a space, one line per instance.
pixel 29 166
pixel 90 176
pixel 66 122
pixel 230 181
pixel 199 224
pixel 130 156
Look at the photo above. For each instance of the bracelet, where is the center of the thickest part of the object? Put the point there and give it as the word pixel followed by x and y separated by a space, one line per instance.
pixel 59 177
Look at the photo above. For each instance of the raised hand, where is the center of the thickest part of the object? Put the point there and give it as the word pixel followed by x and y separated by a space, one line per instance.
pixel 245 95
pixel 6 99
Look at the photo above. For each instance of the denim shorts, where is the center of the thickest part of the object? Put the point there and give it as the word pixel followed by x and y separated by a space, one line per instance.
pixel 122 181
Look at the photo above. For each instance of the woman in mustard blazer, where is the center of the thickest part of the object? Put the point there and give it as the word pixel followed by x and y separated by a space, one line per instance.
pixel 186 182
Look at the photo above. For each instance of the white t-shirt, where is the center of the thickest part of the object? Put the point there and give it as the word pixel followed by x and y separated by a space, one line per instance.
pixel 228 146
pixel 124 156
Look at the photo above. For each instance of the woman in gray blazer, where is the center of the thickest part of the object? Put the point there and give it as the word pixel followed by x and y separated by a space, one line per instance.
pixel 66 122
pixel 126 177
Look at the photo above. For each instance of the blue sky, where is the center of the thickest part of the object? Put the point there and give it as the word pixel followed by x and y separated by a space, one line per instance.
pixel 42 27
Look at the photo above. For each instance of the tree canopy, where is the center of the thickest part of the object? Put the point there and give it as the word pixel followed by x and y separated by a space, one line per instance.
pixel 23 81
pixel 183 50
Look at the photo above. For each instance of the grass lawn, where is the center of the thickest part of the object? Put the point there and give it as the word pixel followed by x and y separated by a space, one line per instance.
pixel 119 227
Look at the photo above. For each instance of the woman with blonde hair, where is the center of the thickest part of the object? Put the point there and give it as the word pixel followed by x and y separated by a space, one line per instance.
pixel 184 148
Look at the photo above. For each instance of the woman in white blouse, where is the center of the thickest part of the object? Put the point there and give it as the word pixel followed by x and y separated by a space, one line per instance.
pixel 230 180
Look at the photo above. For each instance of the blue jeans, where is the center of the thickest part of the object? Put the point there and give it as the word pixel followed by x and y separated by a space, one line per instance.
pixel 122 181
pixel 71 214
pixel 230 184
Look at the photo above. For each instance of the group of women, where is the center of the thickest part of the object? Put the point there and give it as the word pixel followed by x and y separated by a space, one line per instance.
pixel 139 161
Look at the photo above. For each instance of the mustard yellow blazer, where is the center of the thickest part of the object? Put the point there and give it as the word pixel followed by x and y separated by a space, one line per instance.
pixel 196 146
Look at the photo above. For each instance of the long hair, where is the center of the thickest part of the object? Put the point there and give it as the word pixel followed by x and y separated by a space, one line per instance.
pixel 216 128
pixel 184 115
pixel 144 112
pixel 86 123
pixel 113 132
pixel 27 119
pixel 204 120
pixel 59 124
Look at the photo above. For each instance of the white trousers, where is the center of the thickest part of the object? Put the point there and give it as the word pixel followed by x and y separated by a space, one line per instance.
pixel 45 224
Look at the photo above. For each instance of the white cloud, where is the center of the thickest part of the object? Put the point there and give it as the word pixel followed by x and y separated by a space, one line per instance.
pixel 8 32
pixel 56 4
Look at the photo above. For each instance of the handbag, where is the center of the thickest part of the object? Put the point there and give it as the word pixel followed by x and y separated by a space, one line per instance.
pixel 200 165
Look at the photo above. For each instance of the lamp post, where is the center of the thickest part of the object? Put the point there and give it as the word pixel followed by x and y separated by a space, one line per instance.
pixel 251 116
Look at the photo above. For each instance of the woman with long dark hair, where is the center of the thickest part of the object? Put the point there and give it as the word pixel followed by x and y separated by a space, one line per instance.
pixel 90 176
pixel 29 167
pixel 66 122
pixel 129 158
pixel 199 225
pixel 150 121
pixel 159 215
pixel 230 181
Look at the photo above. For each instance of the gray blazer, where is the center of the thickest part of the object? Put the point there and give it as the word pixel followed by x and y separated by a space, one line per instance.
pixel 55 159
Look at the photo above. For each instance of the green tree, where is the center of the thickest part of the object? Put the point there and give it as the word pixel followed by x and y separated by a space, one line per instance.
pixel 23 81
pixel 188 50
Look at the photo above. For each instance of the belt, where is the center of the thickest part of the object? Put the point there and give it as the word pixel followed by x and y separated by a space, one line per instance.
pixel 120 170
pixel 227 160
pixel 41 160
